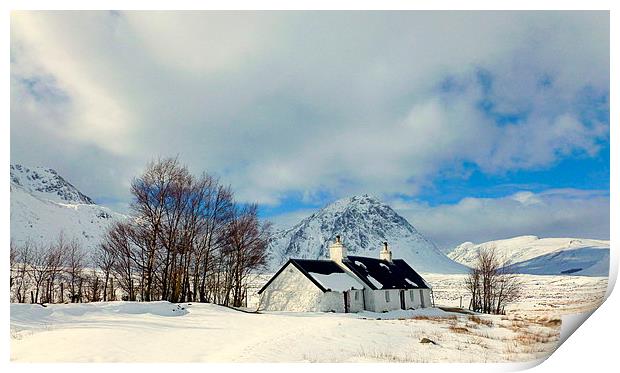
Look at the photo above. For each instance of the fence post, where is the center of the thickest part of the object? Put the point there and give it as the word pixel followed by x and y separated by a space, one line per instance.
pixel 62 292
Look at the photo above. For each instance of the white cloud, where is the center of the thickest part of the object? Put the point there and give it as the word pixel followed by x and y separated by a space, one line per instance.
pixel 551 213
pixel 65 57
pixel 202 43
pixel 526 198
pixel 318 102
pixel 289 219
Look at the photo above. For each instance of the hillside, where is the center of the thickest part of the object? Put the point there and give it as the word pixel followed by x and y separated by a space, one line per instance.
pixel 543 256
pixel 43 204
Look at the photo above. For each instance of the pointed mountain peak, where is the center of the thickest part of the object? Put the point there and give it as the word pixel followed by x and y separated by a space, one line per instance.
pixel 364 202
pixel 46 183
pixel 364 223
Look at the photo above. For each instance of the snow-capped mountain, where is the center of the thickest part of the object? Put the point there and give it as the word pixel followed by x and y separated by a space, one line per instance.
pixel 585 261
pixel 47 184
pixel 43 204
pixel 363 223
pixel 543 256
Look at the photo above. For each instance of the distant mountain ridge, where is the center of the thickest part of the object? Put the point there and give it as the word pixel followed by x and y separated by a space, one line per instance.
pixel 44 204
pixel 363 222
pixel 543 256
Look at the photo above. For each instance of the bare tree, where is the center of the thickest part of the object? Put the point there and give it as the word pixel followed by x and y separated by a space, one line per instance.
pixel 213 235
pixel 93 285
pixel 508 290
pixel 13 260
pixel 21 257
pixel 103 259
pixel 75 270
pixel 38 270
pixel 472 284
pixel 117 243
pixel 153 201
pixel 247 248
pixel 490 284
pixel 186 241
pixel 55 265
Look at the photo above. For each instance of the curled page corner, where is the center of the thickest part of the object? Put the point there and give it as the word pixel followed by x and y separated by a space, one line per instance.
pixel 572 322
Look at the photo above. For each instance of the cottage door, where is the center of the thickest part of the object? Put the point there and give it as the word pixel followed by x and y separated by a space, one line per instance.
pixel 402 300
pixel 346 301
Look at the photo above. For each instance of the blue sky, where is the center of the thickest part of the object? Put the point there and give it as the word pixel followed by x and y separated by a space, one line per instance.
pixel 473 125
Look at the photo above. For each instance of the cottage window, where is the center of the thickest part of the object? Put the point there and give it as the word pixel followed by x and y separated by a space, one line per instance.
pixel 387 296
pixel 357 295
pixel 411 295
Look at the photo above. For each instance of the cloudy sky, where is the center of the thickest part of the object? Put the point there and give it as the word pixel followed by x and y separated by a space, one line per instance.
pixel 473 125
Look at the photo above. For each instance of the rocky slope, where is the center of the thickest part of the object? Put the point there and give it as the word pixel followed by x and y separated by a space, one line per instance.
pixel 44 204
pixel 47 184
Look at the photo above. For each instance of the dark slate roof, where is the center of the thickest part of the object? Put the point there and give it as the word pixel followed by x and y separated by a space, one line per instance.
pixel 324 267
pixel 387 275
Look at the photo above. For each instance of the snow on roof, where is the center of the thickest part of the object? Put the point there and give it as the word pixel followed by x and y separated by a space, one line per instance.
pixel 325 274
pixel 376 283
pixel 372 272
pixel 337 281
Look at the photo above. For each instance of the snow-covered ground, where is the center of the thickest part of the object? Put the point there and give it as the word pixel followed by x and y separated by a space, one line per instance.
pixel 160 331
pixel 541 295
pixel 164 332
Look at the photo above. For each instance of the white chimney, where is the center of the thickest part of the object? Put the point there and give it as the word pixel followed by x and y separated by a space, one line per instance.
pixel 337 251
pixel 385 253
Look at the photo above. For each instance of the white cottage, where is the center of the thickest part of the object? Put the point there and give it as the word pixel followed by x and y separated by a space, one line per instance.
pixel 345 284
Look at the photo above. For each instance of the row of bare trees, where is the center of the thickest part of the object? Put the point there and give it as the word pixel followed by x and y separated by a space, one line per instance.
pixel 188 240
pixel 53 273
pixel 490 284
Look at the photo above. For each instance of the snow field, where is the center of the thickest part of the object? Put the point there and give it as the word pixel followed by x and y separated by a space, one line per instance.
pixel 542 295
pixel 164 332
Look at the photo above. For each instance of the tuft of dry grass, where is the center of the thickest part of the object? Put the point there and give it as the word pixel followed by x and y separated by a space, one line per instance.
pixel 515 325
pixel 489 335
pixel 550 322
pixel 436 318
pixel 528 338
pixel 459 329
pixel 480 321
